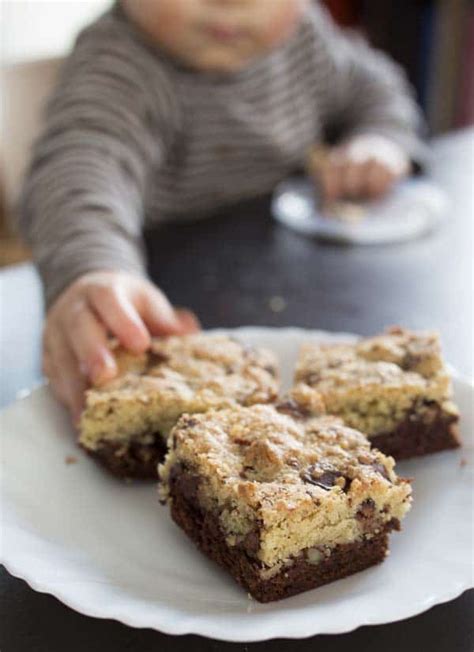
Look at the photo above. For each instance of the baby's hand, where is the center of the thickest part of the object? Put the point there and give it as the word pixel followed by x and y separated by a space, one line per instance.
pixel 94 307
pixel 367 167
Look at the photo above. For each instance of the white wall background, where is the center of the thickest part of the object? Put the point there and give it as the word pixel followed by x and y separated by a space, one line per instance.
pixel 42 29
pixel 35 35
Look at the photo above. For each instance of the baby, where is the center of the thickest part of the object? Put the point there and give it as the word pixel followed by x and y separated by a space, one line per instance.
pixel 168 109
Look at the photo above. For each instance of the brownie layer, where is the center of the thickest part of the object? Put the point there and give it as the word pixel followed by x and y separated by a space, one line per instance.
pixel 204 529
pixel 135 459
pixel 418 435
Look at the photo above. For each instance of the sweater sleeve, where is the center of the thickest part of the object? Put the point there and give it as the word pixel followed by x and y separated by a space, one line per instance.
pixel 365 91
pixel 82 205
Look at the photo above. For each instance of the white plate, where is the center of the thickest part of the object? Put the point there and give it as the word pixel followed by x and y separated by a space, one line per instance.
pixel 413 208
pixel 110 550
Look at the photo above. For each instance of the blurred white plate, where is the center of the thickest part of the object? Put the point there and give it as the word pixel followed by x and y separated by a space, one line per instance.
pixel 414 207
pixel 109 550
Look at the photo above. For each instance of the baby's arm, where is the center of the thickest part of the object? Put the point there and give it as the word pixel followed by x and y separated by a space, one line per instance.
pixel 82 211
pixel 369 104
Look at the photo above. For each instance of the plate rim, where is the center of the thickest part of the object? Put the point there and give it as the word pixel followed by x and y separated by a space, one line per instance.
pixel 346 233
pixel 192 625
pixel 217 629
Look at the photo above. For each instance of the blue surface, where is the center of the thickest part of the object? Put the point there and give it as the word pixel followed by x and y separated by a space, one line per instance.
pixel 21 311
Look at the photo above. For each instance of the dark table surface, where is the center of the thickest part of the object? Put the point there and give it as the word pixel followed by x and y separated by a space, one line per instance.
pixel 230 269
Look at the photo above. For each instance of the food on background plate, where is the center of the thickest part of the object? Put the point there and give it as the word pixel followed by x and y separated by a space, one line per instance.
pixel 344 210
pixel 284 497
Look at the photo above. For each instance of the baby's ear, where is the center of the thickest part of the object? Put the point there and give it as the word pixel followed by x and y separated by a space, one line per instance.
pixel 302 402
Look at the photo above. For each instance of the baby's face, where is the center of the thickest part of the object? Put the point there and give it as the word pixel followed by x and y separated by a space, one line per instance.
pixel 216 35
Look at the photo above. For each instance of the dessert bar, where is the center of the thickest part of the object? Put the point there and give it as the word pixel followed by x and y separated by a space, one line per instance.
pixel 393 387
pixel 126 422
pixel 283 499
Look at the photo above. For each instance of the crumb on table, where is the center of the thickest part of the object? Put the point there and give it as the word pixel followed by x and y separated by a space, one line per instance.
pixel 277 304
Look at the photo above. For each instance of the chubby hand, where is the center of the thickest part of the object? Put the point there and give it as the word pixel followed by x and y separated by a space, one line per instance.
pixel 367 167
pixel 95 306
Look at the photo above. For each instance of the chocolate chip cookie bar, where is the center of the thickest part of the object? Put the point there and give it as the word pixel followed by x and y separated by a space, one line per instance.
pixel 125 423
pixel 286 501
pixel 393 387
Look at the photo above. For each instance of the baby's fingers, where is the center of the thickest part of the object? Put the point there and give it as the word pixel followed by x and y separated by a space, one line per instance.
pixel 88 340
pixel 61 368
pixel 379 179
pixel 188 320
pixel 120 317
pixel 354 181
pixel 160 316
pixel 330 181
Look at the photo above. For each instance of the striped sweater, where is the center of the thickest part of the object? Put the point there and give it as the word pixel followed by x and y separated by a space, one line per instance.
pixel 130 137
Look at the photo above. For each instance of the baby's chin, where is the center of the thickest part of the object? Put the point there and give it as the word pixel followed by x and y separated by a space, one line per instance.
pixel 221 62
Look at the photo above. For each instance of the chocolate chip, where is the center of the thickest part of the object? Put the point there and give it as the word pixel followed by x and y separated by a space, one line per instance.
pixel 184 482
pixel 242 442
pixel 271 370
pixel 366 510
pixel 292 409
pixel 380 468
pixel 324 478
pixel 311 378
pixel 377 466
pixel 175 473
pixel 156 357
pixel 189 485
pixel 247 472
pixel 251 542
pixel 188 422
pixel 410 361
